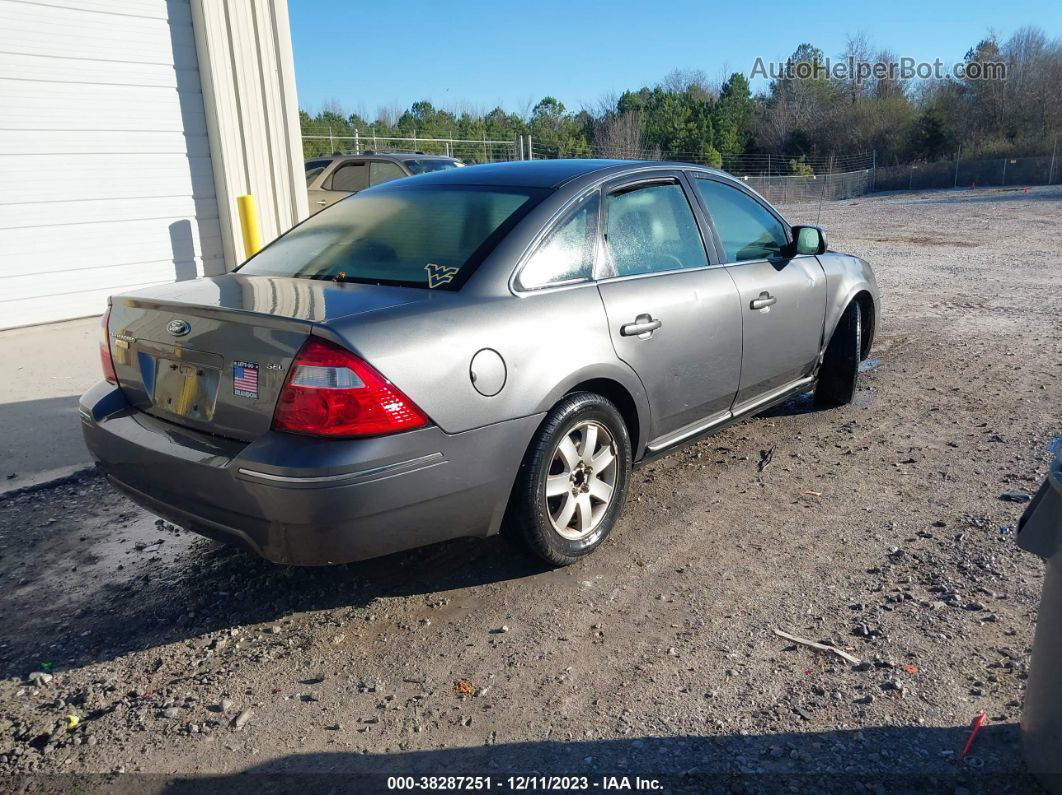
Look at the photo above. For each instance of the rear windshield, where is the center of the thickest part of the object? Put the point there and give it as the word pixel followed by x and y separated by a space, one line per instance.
pixel 431 237
pixel 424 166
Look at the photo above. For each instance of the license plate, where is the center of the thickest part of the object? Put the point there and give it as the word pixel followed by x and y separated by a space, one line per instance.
pixel 185 389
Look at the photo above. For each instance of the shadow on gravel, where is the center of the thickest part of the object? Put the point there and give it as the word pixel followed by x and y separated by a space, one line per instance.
pixel 207 587
pixel 876 759
pixel 87 577
pixel 804 403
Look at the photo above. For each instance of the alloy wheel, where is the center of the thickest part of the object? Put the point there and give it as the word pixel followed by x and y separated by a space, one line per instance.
pixel 581 480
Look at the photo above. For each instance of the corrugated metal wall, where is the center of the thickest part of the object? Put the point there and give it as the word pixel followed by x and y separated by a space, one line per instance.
pixel 252 113
pixel 106 181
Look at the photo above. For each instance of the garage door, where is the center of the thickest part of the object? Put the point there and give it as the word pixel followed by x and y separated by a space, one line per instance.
pixel 105 175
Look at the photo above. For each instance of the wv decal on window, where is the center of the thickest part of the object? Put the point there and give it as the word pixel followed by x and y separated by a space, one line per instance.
pixel 439 275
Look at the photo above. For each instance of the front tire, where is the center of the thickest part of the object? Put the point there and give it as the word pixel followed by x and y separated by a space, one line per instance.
pixel 840 366
pixel 573 480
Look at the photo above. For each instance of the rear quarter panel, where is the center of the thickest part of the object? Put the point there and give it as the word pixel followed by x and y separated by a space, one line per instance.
pixel 549 341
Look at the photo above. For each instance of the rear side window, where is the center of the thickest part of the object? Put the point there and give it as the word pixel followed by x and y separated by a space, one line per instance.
pixel 383 171
pixel 567 255
pixel 425 166
pixel 651 229
pixel 417 237
pixel 311 173
pixel 350 177
pixel 747 230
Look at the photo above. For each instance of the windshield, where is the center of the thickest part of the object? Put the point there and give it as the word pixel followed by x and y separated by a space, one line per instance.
pixel 431 237
pixel 424 166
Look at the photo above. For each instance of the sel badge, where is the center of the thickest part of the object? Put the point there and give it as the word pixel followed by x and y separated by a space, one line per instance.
pixel 439 275
pixel 245 379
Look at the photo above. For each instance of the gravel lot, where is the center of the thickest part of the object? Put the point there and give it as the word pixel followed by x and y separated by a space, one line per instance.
pixel 879 527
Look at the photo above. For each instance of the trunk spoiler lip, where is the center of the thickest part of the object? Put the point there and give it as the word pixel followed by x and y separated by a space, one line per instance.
pixel 210 312
pixel 322 329
pixel 243 314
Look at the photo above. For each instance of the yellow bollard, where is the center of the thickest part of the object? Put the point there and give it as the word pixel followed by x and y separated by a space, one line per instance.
pixel 252 232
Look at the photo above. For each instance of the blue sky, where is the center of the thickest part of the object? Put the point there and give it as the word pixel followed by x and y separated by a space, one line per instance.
pixel 477 54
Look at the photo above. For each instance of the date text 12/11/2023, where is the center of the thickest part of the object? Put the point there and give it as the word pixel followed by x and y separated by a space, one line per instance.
pixel 523 783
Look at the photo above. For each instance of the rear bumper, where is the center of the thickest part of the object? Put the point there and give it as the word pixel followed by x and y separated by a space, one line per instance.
pixel 306 501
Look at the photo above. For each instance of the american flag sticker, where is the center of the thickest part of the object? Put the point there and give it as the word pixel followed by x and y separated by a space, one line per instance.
pixel 245 379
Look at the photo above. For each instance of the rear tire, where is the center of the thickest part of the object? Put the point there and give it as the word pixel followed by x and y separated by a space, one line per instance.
pixel 573 480
pixel 840 366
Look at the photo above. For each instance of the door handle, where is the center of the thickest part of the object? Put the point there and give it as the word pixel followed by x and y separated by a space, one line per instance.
pixel 765 300
pixel 322 201
pixel 642 327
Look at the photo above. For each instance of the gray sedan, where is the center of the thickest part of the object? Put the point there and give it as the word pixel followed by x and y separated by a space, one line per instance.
pixel 475 350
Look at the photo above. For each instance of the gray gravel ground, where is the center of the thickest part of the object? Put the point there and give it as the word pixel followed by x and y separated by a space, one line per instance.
pixel 878 527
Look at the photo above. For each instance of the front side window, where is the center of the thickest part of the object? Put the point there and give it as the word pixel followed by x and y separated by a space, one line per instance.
pixel 747 230
pixel 415 237
pixel 567 255
pixel 383 171
pixel 651 229
pixel 350 177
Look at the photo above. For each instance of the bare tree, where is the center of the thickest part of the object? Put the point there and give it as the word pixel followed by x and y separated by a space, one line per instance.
pixel 889 86
pixel 680 81
pixel 387 116
pixel 620 135
pixel 857 51
pixel 333 105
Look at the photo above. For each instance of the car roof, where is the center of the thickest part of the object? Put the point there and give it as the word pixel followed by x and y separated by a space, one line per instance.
pixel 542 173
pixel 385 156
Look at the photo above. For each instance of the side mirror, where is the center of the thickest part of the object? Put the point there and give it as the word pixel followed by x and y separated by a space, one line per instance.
pixel 808 240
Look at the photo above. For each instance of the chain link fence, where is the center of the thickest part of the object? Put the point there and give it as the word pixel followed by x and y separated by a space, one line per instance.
pixel 323 142
pixel 779 180
pixel 957 173
pixel 816 187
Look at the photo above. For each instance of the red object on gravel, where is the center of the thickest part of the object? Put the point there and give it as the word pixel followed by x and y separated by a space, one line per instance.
pixel 975 726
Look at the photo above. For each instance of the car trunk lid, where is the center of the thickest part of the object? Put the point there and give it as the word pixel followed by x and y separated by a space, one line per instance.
pixel 213 354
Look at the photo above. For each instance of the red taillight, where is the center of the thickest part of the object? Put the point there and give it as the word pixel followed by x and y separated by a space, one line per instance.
pixel 106 361
pixel 331 392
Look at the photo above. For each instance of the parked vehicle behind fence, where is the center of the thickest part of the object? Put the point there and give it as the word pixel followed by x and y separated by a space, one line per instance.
pixel 329 179
pixel 473 350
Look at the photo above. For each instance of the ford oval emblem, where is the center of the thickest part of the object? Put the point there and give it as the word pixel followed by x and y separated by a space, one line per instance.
pixel 178 328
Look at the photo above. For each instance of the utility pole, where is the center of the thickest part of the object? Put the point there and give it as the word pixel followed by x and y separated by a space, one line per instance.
pixel 825 182
pixel 1051 170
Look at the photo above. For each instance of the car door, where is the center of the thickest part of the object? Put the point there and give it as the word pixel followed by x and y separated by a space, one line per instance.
pixel 672 317
pixel 342 179
pixel 783 298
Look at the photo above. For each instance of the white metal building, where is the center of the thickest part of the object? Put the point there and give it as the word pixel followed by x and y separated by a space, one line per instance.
pixel 127 130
